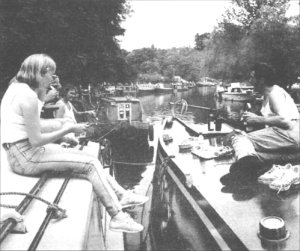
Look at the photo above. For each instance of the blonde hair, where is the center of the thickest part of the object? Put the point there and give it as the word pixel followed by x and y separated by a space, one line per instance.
pixel 34 66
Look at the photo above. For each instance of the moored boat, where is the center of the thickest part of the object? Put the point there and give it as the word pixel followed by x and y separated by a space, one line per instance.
pixel 163 88
pixel 126 90
pixel 145 88
pixel 180 87
pixel 192 210
pixel 206 81
pixel 238 92
pixel 121 120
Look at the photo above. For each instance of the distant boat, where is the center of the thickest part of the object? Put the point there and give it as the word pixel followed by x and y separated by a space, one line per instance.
pixel 238 92
pixel 206 81
pixel 110 89
pixel 145 88
pixel 191 85
pixel 180 87
pixel 126 90
pixel 163 88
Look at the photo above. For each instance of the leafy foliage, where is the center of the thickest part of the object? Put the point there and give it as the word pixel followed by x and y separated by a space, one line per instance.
pixel 79 35
pixel 251 31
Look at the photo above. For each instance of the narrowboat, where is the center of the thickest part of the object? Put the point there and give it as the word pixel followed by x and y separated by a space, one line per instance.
pixel 192 210
pixel 121 120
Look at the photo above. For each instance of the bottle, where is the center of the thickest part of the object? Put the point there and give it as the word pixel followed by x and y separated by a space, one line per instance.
pixel 211 122
pixel 218 124
pixel 247 128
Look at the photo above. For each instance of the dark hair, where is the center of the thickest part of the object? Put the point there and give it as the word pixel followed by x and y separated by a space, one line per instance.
pixel 66 88
pixel 266 71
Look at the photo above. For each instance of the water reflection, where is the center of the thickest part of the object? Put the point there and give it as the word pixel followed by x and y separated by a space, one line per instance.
pixel 159 105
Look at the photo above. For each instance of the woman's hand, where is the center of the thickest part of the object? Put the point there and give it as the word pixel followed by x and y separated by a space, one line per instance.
pixel 51 95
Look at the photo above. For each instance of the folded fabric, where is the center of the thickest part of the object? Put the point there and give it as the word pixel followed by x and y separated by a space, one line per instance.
pixel 10 213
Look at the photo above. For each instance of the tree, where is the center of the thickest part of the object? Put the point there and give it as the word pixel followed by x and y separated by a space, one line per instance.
pixel 200 41
pixel 251 31
pixel 79 35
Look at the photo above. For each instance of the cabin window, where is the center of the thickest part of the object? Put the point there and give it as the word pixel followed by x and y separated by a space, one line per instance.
pixel 124 111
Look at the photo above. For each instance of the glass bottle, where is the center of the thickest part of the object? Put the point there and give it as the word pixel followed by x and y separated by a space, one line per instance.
pixel 211 122
pixel 247 128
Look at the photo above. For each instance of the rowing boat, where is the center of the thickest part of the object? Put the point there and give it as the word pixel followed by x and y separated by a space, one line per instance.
pixel 192 210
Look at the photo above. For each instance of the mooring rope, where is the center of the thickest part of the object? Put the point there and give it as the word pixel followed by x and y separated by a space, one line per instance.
pixel 51 205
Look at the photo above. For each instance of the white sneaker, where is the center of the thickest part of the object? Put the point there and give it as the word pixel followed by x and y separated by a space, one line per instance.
pixel 122 222
pixel 274 173
pixel 132 199
pixel 290 177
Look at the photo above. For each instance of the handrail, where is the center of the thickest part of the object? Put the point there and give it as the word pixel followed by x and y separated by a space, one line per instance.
pixel 48 217
pixel 8 225
pixel 51 211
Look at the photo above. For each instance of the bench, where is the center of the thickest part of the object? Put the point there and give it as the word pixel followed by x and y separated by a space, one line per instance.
pixel 85 227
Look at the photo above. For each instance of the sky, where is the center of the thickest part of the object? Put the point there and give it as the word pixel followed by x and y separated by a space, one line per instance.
pixel 173 23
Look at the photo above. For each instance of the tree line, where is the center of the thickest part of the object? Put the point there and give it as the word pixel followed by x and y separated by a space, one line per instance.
pixel 249 31
pixel 81 36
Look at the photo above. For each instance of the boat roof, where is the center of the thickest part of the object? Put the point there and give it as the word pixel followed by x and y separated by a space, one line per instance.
pixel 237 210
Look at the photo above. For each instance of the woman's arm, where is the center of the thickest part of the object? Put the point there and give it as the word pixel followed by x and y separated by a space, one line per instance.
pixel 85 112
pixel 29 107
pixel 60 112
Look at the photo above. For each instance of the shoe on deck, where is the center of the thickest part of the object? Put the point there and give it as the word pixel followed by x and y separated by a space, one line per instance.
pixel 290 177
pixel 132 199
pixel 122 222
pixel 274 173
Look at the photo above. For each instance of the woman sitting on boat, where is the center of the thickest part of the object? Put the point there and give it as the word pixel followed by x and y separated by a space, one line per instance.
pixel 27 140
pixel 278 142
pixel 68 111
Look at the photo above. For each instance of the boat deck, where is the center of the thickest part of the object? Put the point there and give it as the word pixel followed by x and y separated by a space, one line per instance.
pixel 86 225
pixel 234 212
